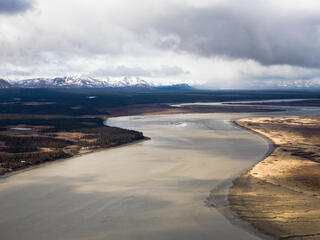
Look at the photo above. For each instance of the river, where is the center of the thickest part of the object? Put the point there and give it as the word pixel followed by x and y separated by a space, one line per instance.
pixel 153 189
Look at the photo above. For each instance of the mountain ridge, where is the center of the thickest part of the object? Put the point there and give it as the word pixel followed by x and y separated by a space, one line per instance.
pixel 88 82
pixel 4 84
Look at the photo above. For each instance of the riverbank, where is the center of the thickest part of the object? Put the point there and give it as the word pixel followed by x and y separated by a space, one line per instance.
pixel 110 194
pixel 28 141
pixel 280 195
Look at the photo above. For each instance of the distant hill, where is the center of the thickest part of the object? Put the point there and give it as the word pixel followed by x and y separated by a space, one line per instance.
pixel 4 84
pixel 182 86
pixel 89 82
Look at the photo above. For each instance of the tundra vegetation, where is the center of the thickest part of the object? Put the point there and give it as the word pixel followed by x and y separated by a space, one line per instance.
pixel 30 141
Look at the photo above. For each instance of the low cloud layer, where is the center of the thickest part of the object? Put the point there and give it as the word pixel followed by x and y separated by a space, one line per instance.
pixel 121 71
pixel 14 6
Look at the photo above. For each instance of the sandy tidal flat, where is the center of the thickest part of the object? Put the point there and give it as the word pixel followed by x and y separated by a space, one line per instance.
pixel 281 195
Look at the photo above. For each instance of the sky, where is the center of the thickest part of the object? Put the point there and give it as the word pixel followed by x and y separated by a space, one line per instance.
pixel 216 44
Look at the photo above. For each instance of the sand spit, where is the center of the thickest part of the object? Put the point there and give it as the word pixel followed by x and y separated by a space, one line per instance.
pixel 280 195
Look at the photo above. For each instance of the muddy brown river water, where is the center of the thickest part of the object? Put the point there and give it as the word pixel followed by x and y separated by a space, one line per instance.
pixel 153 190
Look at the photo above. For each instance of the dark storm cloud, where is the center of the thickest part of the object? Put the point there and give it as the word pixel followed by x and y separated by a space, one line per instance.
pixel 246 30
pixel 14 6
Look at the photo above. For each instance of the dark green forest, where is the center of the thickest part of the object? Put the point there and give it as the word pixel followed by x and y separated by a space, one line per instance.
pixel 77 102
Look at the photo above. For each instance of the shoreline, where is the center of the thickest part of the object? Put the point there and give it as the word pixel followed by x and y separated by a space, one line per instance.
pixel 39 165
pixel 271 143
pixel 234 219
pixel 124 177
pixel 57 138
pixel 219 196
pixel 275 196
pixel 233 216
pixel 230 214
pixel 147 109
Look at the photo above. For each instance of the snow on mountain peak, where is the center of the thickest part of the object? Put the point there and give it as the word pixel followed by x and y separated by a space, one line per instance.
pixel 80 81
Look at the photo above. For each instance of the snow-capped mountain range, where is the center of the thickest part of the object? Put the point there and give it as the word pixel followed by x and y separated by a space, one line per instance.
pixel 4 84
pixel 87 82
pixel 61 82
